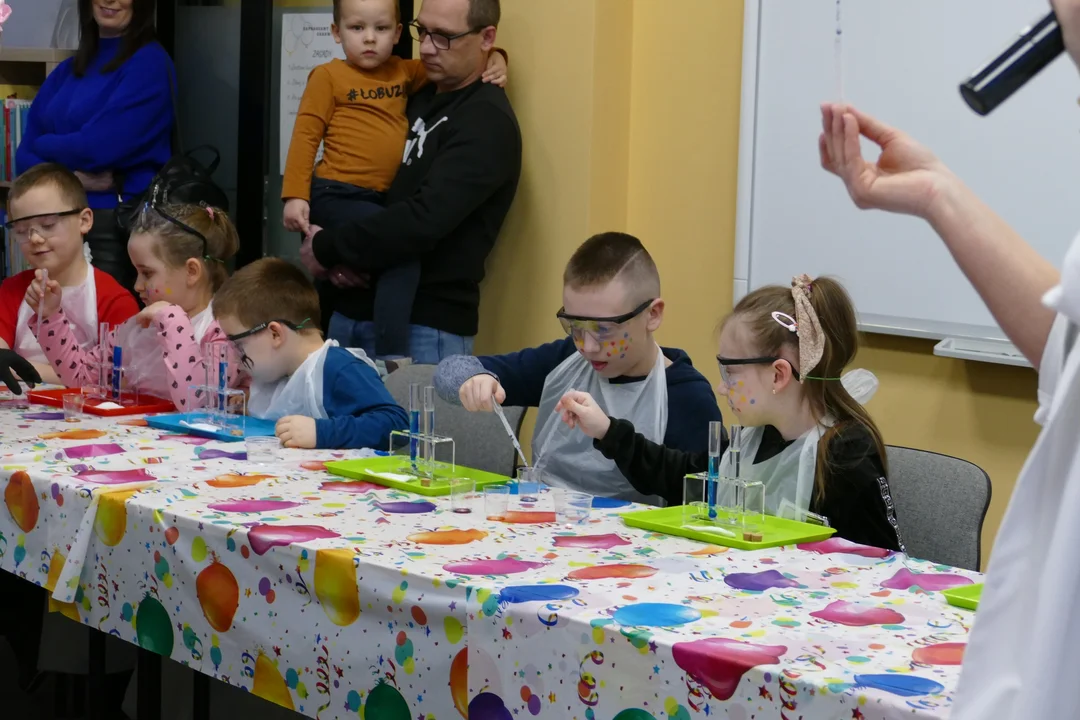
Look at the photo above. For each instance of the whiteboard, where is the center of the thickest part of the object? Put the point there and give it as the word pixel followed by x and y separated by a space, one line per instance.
pixel 306 42
pixel 902 61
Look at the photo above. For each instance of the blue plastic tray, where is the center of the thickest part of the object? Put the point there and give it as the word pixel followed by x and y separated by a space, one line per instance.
pixel 181 423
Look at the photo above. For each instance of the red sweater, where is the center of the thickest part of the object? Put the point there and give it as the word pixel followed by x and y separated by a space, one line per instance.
pixel 114 303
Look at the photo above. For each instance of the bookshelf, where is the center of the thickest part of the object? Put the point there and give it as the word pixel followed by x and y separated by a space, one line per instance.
pixel 23 68
pixel 47 57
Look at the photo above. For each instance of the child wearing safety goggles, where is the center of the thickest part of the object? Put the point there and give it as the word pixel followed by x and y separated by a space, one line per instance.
pixel 179 252
pixel 611 309
pixel 806 435
pixel 321 395
pixel 48 217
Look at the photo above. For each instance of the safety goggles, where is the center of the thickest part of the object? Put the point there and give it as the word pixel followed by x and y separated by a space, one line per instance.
pixel 235 339
pixel 726 362
pixel 578 326
pixel 46 225
pixel 151 205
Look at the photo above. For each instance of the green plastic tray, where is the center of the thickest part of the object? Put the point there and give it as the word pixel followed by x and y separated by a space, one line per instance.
pixel 965 596
pixel 775 532
pixel 381 471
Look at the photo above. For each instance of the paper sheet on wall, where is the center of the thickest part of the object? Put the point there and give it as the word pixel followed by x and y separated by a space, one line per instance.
pixel 305 43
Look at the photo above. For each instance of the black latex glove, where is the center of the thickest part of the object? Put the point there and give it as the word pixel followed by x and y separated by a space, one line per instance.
pixel 12 361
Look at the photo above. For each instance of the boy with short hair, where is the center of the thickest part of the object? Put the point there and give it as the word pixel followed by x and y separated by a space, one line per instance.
pixel 48 216
pixel 321 395
pixel 611 309
pixel 356 109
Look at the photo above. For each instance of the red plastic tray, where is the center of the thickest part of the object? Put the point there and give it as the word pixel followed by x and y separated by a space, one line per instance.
pixel 147 403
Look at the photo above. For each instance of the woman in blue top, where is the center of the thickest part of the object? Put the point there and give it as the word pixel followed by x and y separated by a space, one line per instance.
pixel 107 115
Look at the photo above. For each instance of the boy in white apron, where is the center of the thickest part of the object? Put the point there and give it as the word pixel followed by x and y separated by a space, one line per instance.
pixel 321 395
pixel 611 309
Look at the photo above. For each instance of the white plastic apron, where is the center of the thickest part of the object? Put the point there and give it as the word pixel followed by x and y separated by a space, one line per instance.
pixel 80 307
pixel 299 394
pixel 569 458
pixel 1022 654
pixel 142 353
pixel 788 476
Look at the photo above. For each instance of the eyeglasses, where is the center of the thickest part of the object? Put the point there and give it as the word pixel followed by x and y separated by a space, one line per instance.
pixel 724 362
pixel 235 339
pixel 441 41
pixel 577 326
pixel 46 225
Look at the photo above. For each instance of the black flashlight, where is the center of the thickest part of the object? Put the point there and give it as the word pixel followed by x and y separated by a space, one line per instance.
pixel 995 82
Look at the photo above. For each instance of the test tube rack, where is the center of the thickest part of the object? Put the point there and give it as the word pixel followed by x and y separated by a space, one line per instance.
pixel 109 382
pixel 427 451
pixel 739 502
pixel 214 403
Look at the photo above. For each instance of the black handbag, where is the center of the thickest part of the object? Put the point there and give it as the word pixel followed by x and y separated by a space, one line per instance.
pixel 182 180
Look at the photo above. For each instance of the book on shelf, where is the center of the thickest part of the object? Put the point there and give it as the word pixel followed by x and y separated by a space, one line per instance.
pixel 14 120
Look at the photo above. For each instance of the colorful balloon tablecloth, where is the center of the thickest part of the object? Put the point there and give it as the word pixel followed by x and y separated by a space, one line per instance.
pixel 344 599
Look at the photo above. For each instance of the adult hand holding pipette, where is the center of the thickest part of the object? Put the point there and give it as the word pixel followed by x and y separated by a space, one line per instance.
pixel 45 297
pixel 579 409
pixel 476 393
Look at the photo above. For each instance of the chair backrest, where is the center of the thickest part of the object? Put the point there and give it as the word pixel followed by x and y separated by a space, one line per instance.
pixel 480 441
pixel 941 502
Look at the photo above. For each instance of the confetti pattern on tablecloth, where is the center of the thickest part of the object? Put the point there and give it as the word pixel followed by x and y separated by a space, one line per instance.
pixel 344 599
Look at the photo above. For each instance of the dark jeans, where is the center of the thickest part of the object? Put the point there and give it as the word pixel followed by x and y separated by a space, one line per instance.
pixel 334 204
pixel 108 245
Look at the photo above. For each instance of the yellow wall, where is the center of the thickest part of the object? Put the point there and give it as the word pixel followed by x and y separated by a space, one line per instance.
pixel 630 114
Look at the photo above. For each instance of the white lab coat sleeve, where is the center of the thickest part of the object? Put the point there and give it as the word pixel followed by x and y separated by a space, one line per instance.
pixel 1050 367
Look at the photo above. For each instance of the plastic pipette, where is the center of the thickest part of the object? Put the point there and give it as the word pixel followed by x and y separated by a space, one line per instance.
pixel 41 301
pixel 509 431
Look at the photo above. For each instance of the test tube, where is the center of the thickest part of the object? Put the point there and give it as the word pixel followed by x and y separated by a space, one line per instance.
pixel 117 364
pixel 414 423
pixel 103 366
pixel 222 351
pixel 734 447
pixel 429 426
pixel 716 438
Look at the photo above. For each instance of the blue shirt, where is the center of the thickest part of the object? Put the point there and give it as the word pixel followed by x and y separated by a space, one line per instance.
pixel 361 412
pixel 118 122
pixel 691 401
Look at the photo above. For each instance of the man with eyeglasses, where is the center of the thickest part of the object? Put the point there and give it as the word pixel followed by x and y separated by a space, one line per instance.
pixel 448 201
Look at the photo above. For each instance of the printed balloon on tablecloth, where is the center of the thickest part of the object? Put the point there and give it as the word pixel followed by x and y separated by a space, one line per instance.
pixel 720 663
pixel 335 585
pixel 153 627
pixel 459 682
pixel 110 524
pixel 268 683
pixel 218 593
pixel 384 702
pixel 22 501
pixel 56 566
pixel 488 706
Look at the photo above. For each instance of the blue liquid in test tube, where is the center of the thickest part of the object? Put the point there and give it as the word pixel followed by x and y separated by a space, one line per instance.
pixel 117 363
pixel 716 435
